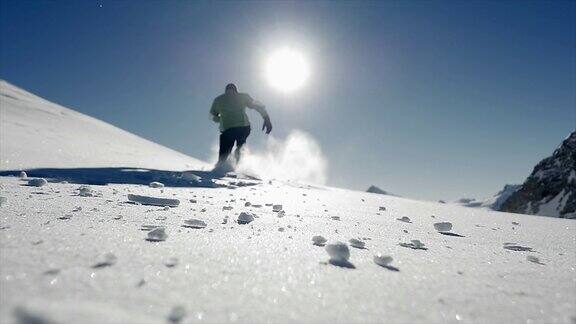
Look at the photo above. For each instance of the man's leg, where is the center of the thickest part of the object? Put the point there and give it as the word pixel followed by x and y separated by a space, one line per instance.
pixel 241 137
pixel 226 145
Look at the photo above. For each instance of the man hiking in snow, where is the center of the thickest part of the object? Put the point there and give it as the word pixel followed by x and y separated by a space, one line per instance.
pixel 229 109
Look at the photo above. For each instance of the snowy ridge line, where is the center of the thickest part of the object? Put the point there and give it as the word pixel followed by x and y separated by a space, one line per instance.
pixel 39 134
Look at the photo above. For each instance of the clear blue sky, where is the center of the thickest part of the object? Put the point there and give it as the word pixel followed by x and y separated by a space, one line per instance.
pixel 428 99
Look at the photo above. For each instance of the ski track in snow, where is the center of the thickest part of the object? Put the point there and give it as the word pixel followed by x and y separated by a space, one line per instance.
pixel 67 256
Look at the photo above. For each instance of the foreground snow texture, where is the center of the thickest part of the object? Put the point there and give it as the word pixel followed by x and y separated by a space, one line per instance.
pixel 100 264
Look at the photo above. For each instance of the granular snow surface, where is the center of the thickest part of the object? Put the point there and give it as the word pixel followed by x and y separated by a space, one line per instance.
pixel 99 265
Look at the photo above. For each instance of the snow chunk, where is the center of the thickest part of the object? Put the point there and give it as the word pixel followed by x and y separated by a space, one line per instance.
pixel 404 219
pixel 23 175
pixel 37 182
pixel 338 252
pixel 519 248
pixel 153 201
pixel 156 184
pixel 276 208
pixel 157 235
pixel 319 240
pixel 105 260
pixel 245 218
pixel 194 223
pixel 357 243
pixel 171 262
pixel 85 191
pixel 533 259
pixel 382 260
pixel 415 245
pixel 443 226
pixel 176 315
pixel 149 227
pixel 65 217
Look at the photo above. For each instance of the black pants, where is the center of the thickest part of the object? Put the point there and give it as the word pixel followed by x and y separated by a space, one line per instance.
pixel 230 136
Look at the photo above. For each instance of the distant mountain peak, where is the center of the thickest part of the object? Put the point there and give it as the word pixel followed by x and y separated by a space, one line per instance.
pixel 377 190
pixel 550 190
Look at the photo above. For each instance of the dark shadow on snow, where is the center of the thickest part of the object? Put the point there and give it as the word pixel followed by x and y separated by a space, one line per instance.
pixel 391 268
pixel 342 263
pixel 451 234
pixel 137 176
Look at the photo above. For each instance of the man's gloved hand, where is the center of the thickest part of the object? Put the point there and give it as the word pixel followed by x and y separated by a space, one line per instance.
pixel 267 125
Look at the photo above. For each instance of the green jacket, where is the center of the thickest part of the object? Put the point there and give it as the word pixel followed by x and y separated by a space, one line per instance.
pixel 229 110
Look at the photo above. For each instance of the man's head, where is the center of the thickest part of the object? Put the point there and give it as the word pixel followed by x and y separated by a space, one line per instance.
pixel 231 88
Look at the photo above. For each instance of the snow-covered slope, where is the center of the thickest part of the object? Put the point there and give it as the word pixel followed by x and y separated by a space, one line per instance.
pixel 37 133
pixel 250 251
pixel 550 190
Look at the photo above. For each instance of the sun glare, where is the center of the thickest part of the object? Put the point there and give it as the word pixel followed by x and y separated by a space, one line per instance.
pixel 287 70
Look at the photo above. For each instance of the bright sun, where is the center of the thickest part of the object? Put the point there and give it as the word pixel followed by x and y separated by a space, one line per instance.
pixel 287 70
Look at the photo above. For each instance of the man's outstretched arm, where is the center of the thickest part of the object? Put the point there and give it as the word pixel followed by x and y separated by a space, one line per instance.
pixel 261 109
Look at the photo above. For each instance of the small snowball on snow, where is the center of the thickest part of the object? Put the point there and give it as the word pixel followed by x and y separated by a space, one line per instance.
pixel 154 201
pixel 85 191
pixel 23 175
pixel 37 182
pixel 382 208
pixel 281 214
pixel 247 204
pixel 382 260
pixel 276 208
pixel 357 243
pixel 177 314
pixel 149 227
pixel 227 208
pixel 417 244
pixel 533 259
pixel 105 260
pixel 335 218
pixel 245 218
pixel 338 252
pixel 404 219
pixel 157 235
pixel 171 262
pixel 443 226
pixel 194 223
pixel 156 184
pixel 319 240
